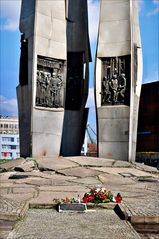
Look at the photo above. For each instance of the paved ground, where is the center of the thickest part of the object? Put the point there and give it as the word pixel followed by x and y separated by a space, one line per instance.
pixel 50 224
pixel 38 182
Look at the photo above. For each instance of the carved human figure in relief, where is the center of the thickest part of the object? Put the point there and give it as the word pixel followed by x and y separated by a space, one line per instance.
pixel 106 94
pixel 49 86
pixel 122 86
pixel 114 87
pixel 38 87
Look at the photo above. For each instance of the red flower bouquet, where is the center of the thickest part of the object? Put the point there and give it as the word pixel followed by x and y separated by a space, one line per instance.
pixel 101 195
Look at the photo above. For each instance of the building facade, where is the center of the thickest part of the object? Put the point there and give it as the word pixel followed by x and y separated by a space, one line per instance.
pixel 148 126
pixel 9 138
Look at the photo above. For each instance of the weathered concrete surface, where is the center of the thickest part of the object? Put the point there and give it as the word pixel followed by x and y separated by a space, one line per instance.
pixel 51 224
pixel 11 164
pixel 125 172
pixel 80 172
pixel 11 209
pixel 74 176
pixel 26 166
pixel 54 163
pixel 91 161
pixel 145 168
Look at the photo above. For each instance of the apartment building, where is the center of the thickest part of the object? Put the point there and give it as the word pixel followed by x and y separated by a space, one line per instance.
pixel 9 138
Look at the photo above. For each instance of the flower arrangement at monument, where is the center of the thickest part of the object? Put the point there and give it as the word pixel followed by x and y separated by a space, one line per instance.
pixel 101 195
pixel 96 195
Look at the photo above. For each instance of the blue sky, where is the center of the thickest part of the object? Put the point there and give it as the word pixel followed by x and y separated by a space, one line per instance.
pixel 10 49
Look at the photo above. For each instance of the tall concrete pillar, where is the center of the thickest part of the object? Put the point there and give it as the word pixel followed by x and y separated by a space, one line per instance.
pixel 78 57
pixel 118 77
pixel 41 90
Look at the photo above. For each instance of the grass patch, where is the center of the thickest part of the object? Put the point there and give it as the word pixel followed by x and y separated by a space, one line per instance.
pixel 5 160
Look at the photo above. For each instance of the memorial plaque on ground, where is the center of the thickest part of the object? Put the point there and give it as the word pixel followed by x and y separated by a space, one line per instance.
pixel 72 207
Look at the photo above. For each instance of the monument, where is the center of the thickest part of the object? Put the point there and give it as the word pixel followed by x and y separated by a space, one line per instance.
pixel 54 77
pixel 77 84
pixel 52 114
pixel 41 92
pixel 118 77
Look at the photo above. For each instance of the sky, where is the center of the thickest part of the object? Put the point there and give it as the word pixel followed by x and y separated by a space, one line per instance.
pixel 10 49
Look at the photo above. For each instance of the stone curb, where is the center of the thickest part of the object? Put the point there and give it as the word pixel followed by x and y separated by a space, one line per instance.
pixel 145 168
pixel 15 216
pixel 10 217
pixel 137 219
pixel 144 219
pixel 110 206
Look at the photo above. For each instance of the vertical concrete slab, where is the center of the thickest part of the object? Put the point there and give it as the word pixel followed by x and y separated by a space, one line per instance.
pixel 43 25
pixel 118 77
pixel 78 58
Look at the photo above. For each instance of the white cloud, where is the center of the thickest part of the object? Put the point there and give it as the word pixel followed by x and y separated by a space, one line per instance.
pixel 155 11
pixel 93 17
pixel 140 5
pixel 10 13
pixel 8 106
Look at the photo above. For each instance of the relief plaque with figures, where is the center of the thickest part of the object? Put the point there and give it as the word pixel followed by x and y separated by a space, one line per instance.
pixel 115 81
pixel 50 83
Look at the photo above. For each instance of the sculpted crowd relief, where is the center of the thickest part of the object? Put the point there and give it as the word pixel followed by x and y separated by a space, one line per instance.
pixel 49 91
pixel 114 82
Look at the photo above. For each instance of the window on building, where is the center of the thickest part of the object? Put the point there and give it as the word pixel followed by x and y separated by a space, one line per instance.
pixel 6 146
pixel 13 146
pixel 8 139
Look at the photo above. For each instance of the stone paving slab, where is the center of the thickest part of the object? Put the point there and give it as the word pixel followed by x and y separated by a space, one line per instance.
pixel 65 188
pixel 26 166
pixel 13 185
pixel 92 161
pixel 145 168
pixel 126 172
pixel 4 176
pixel 45 197
pixel 143 207
pixel 87 181
pixel 5 227
pixel 21 198
pixel 53 225
pixel 17 190
pixel 80 172
pixel 11 209
pixel 55 163
pixel 122 164
pixel 35 173
pixel 115 179
pixel 41 179
pixel 11 164
pixel 34 181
